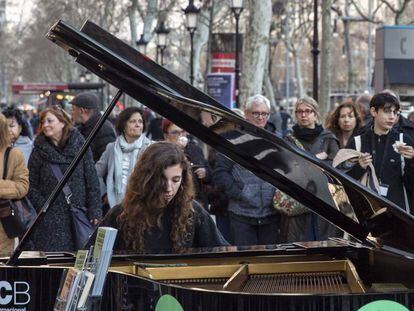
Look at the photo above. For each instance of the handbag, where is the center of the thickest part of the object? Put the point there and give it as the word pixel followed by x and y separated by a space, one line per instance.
pixel 283 202
pixel 287 205
pixel 81 226
pixel 16 215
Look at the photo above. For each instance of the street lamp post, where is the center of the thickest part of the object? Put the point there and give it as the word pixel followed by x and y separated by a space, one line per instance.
pixel 162 33
pixel 191 16
pixel 315 50
pixel 142 44
pixel 237 8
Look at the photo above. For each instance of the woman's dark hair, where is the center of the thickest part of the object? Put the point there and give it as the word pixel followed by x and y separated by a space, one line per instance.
pixel 384 100
pixel 332 121
pixel 11 113
pixel 144 202
pixel 124 116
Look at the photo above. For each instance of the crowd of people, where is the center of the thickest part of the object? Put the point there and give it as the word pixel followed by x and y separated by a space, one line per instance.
pixel 161 192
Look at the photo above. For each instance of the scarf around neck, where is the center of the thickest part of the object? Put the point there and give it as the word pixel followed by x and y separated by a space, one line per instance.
pixel 307 134
pixel 122 147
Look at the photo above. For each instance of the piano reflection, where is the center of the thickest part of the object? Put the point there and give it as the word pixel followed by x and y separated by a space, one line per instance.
pixel 377 263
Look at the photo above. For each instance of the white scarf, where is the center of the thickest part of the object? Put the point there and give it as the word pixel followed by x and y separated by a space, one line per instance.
pixel 122 147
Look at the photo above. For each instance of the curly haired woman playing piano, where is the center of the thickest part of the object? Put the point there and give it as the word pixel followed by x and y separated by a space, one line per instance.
pixel 158 212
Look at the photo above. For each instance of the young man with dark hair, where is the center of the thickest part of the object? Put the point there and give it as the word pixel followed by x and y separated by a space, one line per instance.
pixel 390 152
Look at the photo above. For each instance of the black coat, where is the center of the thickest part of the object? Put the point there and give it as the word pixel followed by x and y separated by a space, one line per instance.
pixel 203 233
pixel 54 232
pixel 196 157
pixel 390 174
pixel 105 135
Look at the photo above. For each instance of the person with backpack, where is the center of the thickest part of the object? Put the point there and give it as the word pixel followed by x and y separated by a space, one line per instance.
pixel 390 152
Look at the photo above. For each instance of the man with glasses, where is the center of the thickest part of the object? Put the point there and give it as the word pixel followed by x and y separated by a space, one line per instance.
pixel 257 110
pixel 252 217
pixel 390 152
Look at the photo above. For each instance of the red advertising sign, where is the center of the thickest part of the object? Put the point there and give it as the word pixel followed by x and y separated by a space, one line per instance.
pixel 223 62
pixel 19 88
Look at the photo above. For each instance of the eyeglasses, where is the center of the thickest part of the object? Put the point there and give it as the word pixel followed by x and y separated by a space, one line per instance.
pixel 176 133
pixel 258 114
pixel 306 112
pixel 390 111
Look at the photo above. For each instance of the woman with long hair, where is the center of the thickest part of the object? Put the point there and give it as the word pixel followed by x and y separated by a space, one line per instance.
pixel 16 183
pixel 344 121
pixel 119 158
pixel 19 132
pixel 56 146
pixel 158 212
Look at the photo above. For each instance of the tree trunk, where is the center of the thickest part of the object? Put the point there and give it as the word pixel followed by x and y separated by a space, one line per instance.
pixel 200 39
pixel 298 73
pixel 132 16
pixel 267 86
pixel 255 48
pixel 149 18
pixel 325 75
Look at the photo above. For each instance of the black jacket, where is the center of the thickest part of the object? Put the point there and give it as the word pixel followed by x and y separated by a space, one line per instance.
pixel 104 136
pixel 389 170
pixel 196 157
pixel 203 233
pixel 54 232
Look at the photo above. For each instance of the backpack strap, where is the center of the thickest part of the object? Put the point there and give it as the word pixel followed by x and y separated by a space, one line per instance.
pixel 407 204
pixel 357 140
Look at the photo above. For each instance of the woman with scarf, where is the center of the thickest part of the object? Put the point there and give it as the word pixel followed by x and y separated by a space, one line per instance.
pixel 309 135
pixel 117 162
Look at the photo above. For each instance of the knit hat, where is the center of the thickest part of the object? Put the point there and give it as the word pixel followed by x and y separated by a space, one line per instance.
pixel 86 100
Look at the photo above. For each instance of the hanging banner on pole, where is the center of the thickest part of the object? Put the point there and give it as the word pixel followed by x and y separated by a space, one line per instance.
pixel 220 86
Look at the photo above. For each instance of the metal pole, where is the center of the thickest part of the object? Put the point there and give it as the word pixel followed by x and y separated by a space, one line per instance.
pixel 237 69
pixel 162 55
pixel 287 61
pixel 315 50
pixel 191 57
pixel 369 71
pixel 52 198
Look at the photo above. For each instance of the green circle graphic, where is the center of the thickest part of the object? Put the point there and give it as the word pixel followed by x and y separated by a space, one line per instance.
pixel 383 305
pixel 168 303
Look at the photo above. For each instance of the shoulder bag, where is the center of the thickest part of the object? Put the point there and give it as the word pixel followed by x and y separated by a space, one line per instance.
pixel 81 226
pixel 16 215
pixel 284 203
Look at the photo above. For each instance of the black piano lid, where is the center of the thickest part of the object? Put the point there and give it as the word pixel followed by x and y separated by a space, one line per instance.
pixel 302 176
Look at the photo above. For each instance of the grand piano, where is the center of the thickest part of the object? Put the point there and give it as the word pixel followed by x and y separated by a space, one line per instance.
pixel 375 262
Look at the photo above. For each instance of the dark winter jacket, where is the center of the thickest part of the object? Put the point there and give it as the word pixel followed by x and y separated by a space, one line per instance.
pixel 196 157
pixel 104 136
pixel 405 126
pixel 249 196
pixel 203 233
pixel 325 142
pixel 389 169
pixel 54 232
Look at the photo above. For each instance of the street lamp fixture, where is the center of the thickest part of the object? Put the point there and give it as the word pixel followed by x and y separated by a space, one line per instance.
pixel 237 8
pixel 162 33
pixel 191 17
pixel 142 44
pixel 315 51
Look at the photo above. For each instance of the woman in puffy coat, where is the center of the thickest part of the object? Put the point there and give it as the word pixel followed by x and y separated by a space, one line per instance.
pixel 58 143
pixel 16 184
